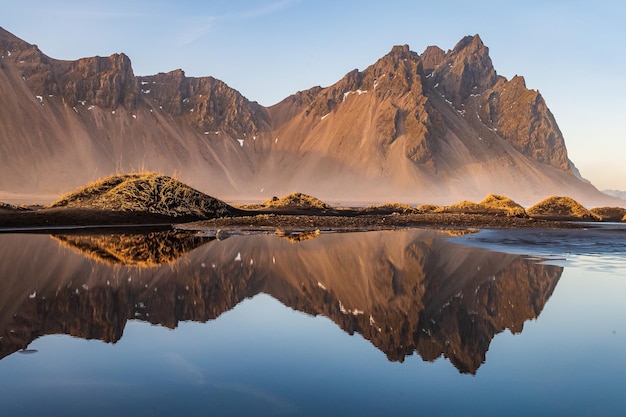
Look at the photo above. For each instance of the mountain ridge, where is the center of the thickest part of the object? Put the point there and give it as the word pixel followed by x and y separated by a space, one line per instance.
pixel 435 127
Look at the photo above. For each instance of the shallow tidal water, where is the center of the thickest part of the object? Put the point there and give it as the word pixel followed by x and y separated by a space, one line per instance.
pixel 412 322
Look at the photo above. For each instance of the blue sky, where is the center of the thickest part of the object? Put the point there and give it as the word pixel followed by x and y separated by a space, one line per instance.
pixel 573 52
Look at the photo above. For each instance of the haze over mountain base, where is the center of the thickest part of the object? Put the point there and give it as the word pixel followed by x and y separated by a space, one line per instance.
pixel 432 128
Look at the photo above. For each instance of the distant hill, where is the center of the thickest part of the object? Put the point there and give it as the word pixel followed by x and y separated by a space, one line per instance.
pixel 616 193
pixel 435 127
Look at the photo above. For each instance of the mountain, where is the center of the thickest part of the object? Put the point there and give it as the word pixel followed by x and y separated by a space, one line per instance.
pixel 406 292
pixel 435 127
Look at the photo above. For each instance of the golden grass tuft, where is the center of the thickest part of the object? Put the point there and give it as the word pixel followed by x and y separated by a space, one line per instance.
pixel 561 208
pixel 297 200
pixel 146 192
pixel 610 214
pixel 395 208
pixel 427 208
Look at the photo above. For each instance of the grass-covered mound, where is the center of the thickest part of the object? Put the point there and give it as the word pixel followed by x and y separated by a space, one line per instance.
pixel 492 204
pixel 464 206
pixel 394 208
pixel 145 192
pixel 499 202
pixel 610 214
pixel 561 208
pixel 296 200
pixel 427 208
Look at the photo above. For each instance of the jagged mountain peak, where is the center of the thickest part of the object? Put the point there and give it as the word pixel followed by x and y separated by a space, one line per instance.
pixel 398 53
pixel 401 52
pixel 472 44
pixel 466 70
pixel 432 57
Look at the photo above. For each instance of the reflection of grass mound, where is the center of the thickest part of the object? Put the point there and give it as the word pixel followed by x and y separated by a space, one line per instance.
pixel 145 192
pixel 610 214
pixel 296 200
pixel 145 250
pixel 492 204
pixel 297 236
pixel 561 208
pixel 394 208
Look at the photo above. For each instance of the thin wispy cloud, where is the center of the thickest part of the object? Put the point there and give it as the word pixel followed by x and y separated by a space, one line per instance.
pixel 265 10
pixel 196 31
pixel 203 25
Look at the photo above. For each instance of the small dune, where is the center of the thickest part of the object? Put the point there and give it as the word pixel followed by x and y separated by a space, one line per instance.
pixel 145 192
pixel 296 200
pixel 394 208
pixel 492 204
pixel 464 206
pixel 610 214
pixel 561 208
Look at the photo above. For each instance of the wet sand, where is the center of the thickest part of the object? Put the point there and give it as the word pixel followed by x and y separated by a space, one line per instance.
pixel 66 218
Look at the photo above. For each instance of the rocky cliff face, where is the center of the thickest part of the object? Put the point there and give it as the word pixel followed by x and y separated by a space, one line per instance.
pixel 464 71
pixel 107 82
pixel 206 103
pixel 435 127
pixel 406 292
pixel 521 117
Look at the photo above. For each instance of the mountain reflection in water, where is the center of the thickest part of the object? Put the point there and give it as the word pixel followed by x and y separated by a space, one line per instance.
pixel 404 291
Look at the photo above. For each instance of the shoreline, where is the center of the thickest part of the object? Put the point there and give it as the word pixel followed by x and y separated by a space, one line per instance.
pixel 71 219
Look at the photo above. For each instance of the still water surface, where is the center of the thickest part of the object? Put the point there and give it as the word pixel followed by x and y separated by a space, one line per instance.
pixel 411 322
